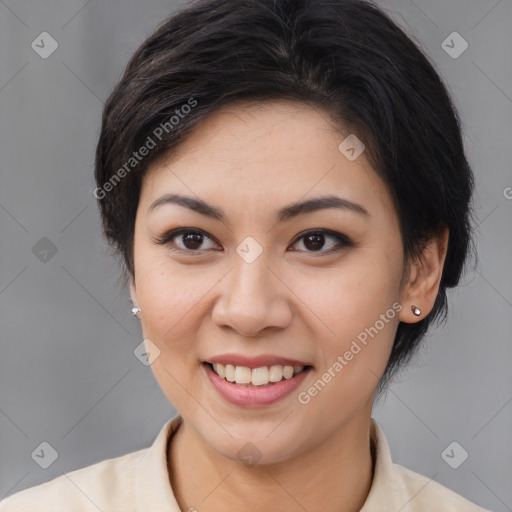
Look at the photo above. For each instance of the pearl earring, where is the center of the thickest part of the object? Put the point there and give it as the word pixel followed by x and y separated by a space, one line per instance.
pixel 136 311
pixel 416 311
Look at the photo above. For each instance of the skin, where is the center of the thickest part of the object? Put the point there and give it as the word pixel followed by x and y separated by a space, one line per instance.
pixel 294 300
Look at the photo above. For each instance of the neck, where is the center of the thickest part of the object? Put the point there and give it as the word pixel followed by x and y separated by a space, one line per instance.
pixel 336 475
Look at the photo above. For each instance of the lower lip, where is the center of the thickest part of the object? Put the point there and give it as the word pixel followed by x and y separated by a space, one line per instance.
pixel 254 396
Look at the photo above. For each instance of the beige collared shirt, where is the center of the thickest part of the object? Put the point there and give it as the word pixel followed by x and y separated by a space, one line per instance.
pixel 139 482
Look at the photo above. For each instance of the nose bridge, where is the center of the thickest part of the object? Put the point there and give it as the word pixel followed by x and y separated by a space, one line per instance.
pixel 251 297
pixel 250 279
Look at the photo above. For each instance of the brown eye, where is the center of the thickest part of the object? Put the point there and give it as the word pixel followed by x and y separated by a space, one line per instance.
pixel 315 241
pixel 187 240
pixel 192 240
pixel 196 241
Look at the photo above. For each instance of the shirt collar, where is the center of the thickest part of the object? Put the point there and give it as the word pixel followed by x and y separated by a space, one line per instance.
pixel 386 492
pixel 154 492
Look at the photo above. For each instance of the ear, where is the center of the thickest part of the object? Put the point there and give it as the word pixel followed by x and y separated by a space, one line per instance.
pixel 133 292
pixel 422 285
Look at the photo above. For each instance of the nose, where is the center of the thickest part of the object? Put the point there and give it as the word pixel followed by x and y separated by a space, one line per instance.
pixel 252 298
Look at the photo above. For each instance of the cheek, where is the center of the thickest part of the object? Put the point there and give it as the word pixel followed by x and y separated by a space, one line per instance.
pixel 350 297
pixel 356 338
pixel 173 303
pixel 355 312
pixel 173 299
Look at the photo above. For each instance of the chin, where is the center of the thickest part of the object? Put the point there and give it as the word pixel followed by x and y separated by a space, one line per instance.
pixel 254 444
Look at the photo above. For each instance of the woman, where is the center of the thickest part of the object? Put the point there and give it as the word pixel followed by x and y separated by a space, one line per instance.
pixel 286 185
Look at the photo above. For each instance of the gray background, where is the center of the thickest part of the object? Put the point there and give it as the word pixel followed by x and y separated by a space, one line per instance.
pixel 67 369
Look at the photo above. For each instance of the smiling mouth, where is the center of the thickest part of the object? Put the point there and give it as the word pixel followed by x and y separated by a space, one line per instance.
pixel 256 377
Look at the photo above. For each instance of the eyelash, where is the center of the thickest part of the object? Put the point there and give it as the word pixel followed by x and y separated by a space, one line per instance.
pixel 342 240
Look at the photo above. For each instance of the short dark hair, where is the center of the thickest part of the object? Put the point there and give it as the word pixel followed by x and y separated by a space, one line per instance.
pixel 346 56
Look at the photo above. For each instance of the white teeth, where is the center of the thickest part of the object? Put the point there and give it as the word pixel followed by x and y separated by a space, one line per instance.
pixel 275 373
pixel 288 372
pixel 230 372
pixel 256 376
pixel 242 375
pixel 220 369
pixel 259 376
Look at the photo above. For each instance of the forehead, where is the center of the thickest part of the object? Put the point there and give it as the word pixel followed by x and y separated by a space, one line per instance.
pixel 257 153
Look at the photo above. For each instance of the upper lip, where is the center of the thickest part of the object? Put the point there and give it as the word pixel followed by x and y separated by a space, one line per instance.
pixel 255 362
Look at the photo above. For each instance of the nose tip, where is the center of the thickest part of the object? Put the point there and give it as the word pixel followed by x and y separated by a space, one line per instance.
pixel 249 319
pixel 252 300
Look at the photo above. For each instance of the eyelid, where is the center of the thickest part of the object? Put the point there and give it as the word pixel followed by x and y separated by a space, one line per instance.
pixel 342 240
pixel 174 233
pixel 327 232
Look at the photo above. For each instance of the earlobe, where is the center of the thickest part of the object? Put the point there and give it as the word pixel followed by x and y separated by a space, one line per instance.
pixel 136 311
pixel 420 292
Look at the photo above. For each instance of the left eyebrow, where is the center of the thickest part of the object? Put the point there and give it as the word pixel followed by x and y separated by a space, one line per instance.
pixel 320 203
pixel 284 214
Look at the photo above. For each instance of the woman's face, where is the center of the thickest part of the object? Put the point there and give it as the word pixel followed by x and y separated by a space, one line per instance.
pixel 254 284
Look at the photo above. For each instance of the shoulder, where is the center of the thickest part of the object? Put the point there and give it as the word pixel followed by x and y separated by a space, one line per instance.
pixel 107 485
pixel 426 494
pixel 396 487
pixel 135 481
